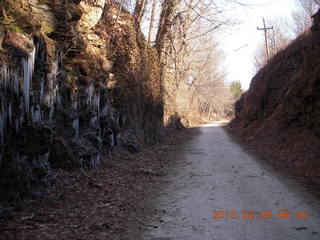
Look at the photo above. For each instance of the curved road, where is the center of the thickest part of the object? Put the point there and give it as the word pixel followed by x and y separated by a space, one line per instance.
pixel 215 178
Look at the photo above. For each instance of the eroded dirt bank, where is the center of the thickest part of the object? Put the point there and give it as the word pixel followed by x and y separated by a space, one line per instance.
pixel 279 115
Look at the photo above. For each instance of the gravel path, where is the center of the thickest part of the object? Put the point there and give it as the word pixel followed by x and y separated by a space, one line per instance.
pixel 214 177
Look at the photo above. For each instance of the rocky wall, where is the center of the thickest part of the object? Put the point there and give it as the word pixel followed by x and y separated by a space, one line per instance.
pixel 77 79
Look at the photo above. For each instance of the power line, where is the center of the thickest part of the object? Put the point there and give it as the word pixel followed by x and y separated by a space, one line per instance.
pixel 243 46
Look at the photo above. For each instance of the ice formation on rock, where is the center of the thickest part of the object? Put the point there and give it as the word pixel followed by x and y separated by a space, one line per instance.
pixel 28 68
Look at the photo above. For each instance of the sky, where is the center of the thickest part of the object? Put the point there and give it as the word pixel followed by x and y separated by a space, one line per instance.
pixel 239 64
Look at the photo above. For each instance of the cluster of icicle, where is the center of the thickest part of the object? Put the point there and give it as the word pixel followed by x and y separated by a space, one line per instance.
pixel 10 85
pixel 13 82
pixel 19 106
pixel 93 102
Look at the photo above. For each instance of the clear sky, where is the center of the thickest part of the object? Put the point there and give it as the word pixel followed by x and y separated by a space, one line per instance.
pixel 240 63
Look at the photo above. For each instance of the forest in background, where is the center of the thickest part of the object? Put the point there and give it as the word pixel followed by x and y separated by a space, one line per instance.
pixel 184 34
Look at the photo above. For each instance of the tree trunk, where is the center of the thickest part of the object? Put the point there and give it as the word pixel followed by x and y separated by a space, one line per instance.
pixel 152 20
pixel 166 22
pixel 139 10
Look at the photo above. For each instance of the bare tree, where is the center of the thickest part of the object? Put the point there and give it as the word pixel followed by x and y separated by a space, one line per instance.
pixel 185 44
pixel 139 10
pixel 302 17
pixel 152 19
pixel 168 11
pixel 193 79
pixel 284 31
pixel 278 38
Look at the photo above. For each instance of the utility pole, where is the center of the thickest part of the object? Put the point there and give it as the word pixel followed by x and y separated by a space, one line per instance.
pixel 265 29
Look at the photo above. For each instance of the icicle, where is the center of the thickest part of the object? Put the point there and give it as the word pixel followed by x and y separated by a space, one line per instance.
pixel 2 77
pixel 49 96
pixel 98 160
pixel 2 123
pixel 55 70
pixel 10 113
pixel 28 67
pixel 36 114
pixel 81 161
pixel 8 79
pixel 111 140
pixel 53 97
pixel 75 125
pixel 59 100
pixel 16 84
pixel 90 91
pixel 75 104
pixel 123 120
pixel 100 140
pixel 96 102
pixel 93 121
pixel 104 111
pixel 51 115
pixel 42 91
pixel 50 81
pixel 95 161
pixel 5 78
pixel 75 122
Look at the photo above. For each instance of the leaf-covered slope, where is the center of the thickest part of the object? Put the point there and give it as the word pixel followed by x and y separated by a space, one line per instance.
pixel 280 113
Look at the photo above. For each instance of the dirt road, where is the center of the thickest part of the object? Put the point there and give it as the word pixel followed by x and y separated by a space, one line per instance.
pixel 214 173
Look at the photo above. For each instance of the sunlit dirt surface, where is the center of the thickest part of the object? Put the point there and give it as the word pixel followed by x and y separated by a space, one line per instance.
pixel 214 177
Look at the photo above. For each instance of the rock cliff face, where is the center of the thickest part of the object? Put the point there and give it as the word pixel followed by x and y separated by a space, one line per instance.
pixel 76 79
pixel 280 113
